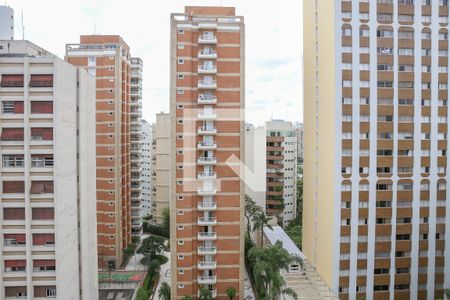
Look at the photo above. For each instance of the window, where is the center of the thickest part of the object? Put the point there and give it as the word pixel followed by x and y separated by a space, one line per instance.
pixel 41 187
pixel 15 265
pixel 41 160
pixel 41 134
pixel 180 61
pixel 14 239
pixel 12 107
pixel 40 265
pixel 41 80
pixel 12 80
pixel 13 213
pixel 11 161
pixel 41 107
pixel 43 239
pixel 13 187
pixel 42 213
pixel 12 134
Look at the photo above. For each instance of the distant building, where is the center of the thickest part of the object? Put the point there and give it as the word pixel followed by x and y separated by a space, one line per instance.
pixel 147 168
pixel 6 23
pixel 48 236
pixel 161 166
pixel 298 127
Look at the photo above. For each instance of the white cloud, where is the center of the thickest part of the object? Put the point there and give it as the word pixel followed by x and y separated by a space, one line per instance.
pixel 273 44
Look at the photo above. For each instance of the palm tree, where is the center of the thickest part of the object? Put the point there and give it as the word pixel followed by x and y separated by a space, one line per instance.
pixel 259 221
pixel 164 291
pixel 187 297
pixel 266 265
pixel 231 292
pixel 205 294
pixel 250 211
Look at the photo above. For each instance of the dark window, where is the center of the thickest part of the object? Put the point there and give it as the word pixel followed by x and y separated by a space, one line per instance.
pixel 13 239
pixel 41 80
pixel 15 265
pixel 13 213
pixel 12 134
pixel 40 239
pixel 41 107
pixel 42 213
pixel 12 80
pixel 44 265
pixel 13 187
pixel 44 134
pixel 41 187
pixel 12 107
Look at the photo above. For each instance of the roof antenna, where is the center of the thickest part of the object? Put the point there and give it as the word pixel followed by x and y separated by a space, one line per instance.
pixel 23 28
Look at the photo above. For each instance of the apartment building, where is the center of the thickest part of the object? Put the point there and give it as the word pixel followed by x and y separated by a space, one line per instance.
pixel 207 145
pixel 47 192
pixel 136 146
pixel 281 171
pixel 298 127
pixel 375 124
pixel 161 167
pixel 107 57
pixel 6 23
pixel 147 168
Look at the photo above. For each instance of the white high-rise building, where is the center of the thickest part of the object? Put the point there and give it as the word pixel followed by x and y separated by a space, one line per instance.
pixel 147 151
pixel 48 237
pixel 6 23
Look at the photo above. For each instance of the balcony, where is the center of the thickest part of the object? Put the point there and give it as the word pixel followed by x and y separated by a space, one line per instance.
pixel 202 250
pixel 207 115
pixel 207 265
pixel 206 191
pixel 207 70
pixel 207 130
pixel 206 145
pixel 206 206
pixel 207 84
pixel 206 236
pixel 206 99
pixel 207 54
pixel 206 175
pixel 207 161
pixel 207 279
pixel 205 221
pixel 207 25
pixel 207 40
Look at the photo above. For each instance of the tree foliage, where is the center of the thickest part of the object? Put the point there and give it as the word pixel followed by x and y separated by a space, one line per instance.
pixel 259 221
pixel 266 264
pixel 231 292
pixel 205 294
pixel 250 211
pixel 151 247
pixel 164 291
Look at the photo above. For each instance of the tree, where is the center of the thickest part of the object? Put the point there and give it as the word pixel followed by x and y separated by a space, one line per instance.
pixel 250 211
pixel 151 247
pixel 231 292
pixel 187 297
pixel 259 221
pixel 447 294
pixel 266 264
pixel 164 291
pixel 205 294
pixel 166 220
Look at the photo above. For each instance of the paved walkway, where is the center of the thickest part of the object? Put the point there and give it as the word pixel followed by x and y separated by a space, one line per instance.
pixel 164 275
pixel 135 261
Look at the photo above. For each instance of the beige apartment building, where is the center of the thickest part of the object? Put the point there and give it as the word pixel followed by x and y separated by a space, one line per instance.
pixel 108 58
pixel 161 167
pixel 376 137
pixel 207 144
pixel 48 236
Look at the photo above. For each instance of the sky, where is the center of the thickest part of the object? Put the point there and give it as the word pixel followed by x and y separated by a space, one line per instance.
pixel 273 44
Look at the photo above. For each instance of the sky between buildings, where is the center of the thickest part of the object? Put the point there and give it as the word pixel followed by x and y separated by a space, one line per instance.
pixel 273 44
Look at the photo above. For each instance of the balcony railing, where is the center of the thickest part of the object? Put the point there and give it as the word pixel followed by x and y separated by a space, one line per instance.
pixel 207 84
pixel 207 160
pixel 207 206
pixel 207 39
pixel 206 191
pixel 207 265
pixel 207 54
pixel 206 175
pixel 206 236
pixel 207 145
pixel 207 115
pixel 207 70
pixel 207 130
pixel 207 250
pixel 207 279
pixel 206 99
pixel 207 221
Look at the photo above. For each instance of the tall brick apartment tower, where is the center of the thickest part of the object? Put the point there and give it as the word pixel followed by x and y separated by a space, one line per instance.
pixel 207 98
pixel 376 213
pixel 108 58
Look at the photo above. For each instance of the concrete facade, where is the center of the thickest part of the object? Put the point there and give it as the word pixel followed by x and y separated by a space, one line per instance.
pixel 207 146
pixel 6 23
pixel 375 216
pixel 108 58
pixel 147 168
pixel 48 195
